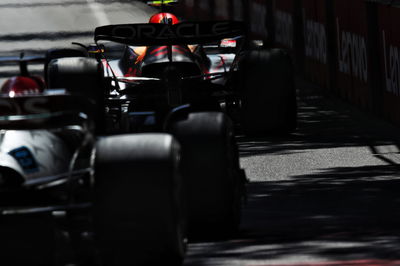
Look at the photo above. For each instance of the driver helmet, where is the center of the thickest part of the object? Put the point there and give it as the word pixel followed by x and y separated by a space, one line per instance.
pixel 163 18
pixel 140 51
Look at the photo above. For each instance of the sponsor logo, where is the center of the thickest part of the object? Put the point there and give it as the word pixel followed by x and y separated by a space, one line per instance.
pixel 165 32
pixel 25 159
pixel 352 54
pixel 284 28
pixel 392 67
pixel 315 40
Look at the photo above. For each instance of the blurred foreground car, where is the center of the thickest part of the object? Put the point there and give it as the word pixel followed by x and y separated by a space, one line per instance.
pixel 70 196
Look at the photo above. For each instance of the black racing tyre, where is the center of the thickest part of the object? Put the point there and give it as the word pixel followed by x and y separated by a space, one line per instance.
pixel 80 76
pixel 139 215
pixel 268 93
pixel 73 51
pixel 210 166
pixel 28 240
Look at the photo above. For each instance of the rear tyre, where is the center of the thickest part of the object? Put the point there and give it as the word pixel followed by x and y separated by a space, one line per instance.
pixel 212 175
pixel 80 76
pixel 28 240
pixel 138 214
pixel 73 51
pixel 268 93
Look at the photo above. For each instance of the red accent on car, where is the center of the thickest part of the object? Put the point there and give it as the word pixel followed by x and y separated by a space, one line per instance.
pixel 132 72
pixel 162 50
pixel 22 85
pixel 105 64
pixel 181 49
pixel 161 53
pixel 158 49
pixel 228 43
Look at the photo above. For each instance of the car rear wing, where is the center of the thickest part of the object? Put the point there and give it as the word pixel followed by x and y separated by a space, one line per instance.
pixel 22 61
pixel 43 111
pixel 163 34
pixel 18 59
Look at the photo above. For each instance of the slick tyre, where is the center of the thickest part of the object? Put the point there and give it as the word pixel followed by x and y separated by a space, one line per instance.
pixel 73 51
pixel 80 76
pixel 210 167
pixel 267 90
pixel 77 75
pixel 138 201
pixel 28 240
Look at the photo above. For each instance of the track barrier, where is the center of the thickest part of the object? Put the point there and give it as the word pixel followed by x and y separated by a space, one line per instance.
pixel 348 48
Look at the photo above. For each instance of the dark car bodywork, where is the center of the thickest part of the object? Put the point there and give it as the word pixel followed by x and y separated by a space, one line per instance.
pixel 184 64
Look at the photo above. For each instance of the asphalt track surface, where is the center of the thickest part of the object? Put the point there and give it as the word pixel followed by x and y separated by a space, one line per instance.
pixel 326 195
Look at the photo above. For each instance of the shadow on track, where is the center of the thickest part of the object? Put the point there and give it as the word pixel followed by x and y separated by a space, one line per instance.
pixel 337 214
pixel 336 205
pixel 324 123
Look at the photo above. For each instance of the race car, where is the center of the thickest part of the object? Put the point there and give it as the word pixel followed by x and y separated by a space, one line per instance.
pixel 69 196
pixel 210 65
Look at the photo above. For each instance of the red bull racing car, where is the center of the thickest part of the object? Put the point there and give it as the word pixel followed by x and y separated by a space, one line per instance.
pixel 166 63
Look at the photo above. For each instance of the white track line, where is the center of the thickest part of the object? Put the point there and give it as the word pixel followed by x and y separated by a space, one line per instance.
pixel 98 12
